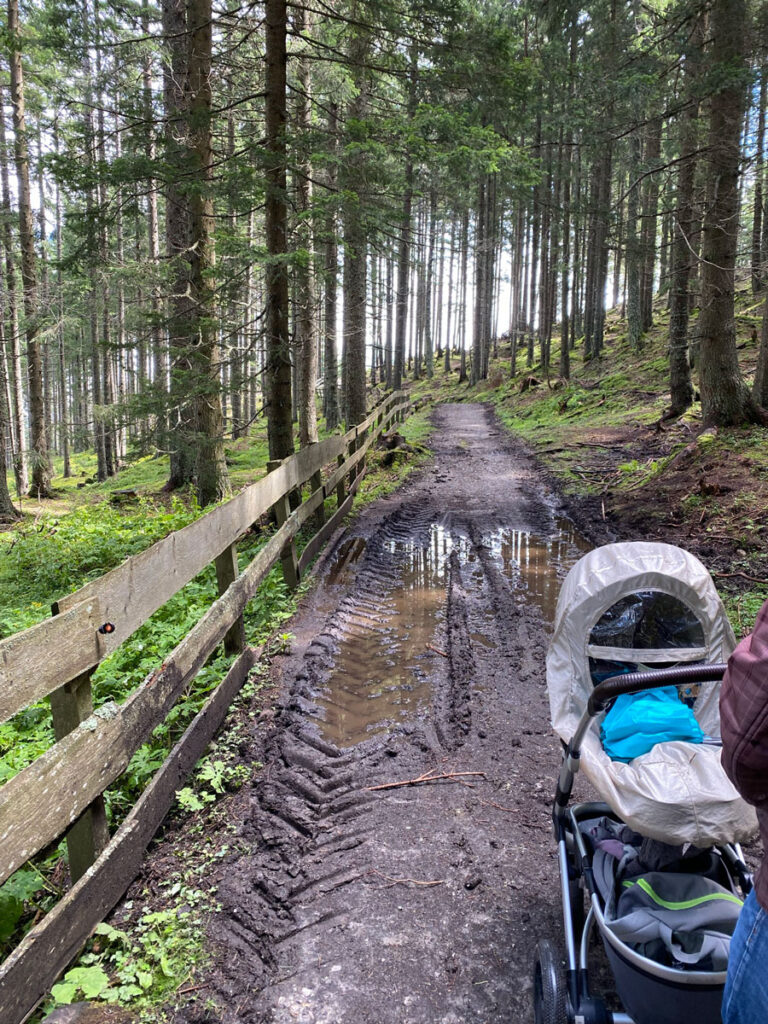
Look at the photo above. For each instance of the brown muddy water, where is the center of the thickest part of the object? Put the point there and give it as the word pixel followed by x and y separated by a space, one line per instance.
pixel 381 674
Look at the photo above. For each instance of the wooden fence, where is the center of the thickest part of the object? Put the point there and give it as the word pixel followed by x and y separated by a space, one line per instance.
pixel 62 791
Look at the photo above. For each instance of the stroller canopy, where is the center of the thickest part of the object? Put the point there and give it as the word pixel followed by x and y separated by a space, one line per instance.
pixel 639 604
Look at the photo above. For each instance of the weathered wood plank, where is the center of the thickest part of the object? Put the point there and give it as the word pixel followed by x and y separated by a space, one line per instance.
pixel 133 591
pixel 71 704
pixel 44 657
pixel 44 799
pixel 323 534
pixel 128 594
pixel 226 573
pixel 341 471
pixel 32 968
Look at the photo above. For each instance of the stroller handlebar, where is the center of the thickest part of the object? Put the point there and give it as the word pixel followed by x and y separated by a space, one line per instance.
pixel 634 682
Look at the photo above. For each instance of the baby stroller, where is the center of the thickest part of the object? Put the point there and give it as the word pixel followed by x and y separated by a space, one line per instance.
pixel 656 859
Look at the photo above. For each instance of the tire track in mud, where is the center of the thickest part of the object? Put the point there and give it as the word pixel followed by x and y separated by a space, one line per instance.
pixel 414 904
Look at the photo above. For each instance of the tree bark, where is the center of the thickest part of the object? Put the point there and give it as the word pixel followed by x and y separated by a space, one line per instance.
pixel 680 387
pixel 760 386
pixel 355 231
pixel 210 465
pixel 278 364
pixel 724 396
pixel 181 426
pixel 12 319
pixel 306 302
pixel 650 217
pixel 41 471
pixel 634 266
pixel 757 219
pixel 331 360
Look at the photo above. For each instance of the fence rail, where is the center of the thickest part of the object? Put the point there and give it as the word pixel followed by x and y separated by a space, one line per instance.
pixel 62 790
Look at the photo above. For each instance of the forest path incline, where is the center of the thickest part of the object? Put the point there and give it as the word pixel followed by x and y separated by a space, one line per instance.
pixel 420 651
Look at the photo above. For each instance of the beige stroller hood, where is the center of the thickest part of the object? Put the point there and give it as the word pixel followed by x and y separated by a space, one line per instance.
pixel 677 792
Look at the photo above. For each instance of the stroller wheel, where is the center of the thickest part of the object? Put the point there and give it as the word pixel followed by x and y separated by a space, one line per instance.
pixel 549 997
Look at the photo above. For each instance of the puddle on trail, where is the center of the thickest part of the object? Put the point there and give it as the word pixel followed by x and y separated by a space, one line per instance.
pixel 538 565
pixel 382 670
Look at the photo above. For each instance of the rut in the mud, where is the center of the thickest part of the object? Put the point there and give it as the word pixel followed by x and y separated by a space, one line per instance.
pixel 421 649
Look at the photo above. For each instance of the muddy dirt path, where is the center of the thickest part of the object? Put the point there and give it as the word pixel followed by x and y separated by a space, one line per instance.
pixel 421 650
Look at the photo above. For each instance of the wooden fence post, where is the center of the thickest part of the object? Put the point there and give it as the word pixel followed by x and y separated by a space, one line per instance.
pixel 227 572
pixel 71 704
pixel 360 468
pixel 315 483
pixel 288 557
pixel 341 486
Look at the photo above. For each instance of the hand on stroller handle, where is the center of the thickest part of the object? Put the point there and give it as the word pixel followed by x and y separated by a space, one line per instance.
pixel 634 682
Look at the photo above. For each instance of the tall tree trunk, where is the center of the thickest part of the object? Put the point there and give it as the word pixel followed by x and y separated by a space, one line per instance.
pixel 634 265
pixel 355 232
pixel 41 470
pixel 724 396
pixel 388 349
pixel 181 427
pixel 450 310
pixel 12 320
pixel 210 466
pixel 461 318
pixel 331 359
pixel 757 219
pixel 429 358
pixel 278 366
pixel 680 387
pixel 760 386
pixel 306 309
pixel 63 403
pixel 173 93
pixel 650 219
pixel 44 295
pixel 8 511
pixel 480 271
pixel 564 368
pixel 404 242
pixel 403 271
pixel 533 262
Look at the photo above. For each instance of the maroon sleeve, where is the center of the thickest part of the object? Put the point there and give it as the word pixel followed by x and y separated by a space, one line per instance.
pixel 744 714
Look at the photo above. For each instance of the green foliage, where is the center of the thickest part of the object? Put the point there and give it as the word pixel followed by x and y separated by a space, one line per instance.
pixel 212 779
pixel 15 893
pixel 57 554
pixel 141 967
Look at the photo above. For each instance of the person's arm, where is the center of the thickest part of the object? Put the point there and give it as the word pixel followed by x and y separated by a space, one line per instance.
pixel 744 714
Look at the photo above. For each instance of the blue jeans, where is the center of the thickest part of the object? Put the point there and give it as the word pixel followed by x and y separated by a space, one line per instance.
pixel 745 1000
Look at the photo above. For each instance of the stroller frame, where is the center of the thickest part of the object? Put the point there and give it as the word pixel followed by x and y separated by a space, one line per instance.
pixel 571 1002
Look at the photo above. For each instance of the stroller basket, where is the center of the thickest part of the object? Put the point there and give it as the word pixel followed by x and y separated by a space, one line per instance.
pixel 650 991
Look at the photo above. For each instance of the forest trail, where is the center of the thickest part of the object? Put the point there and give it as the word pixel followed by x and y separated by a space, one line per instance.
pixel 421 650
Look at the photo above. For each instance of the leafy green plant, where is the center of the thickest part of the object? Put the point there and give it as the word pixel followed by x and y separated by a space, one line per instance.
pixel 140 967
pixel 20 888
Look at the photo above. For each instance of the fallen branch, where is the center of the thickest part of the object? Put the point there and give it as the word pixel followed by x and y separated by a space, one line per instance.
pixel 427 777
pixel 192 988
pixel 743 575
pixel 404 881
pixel 436 650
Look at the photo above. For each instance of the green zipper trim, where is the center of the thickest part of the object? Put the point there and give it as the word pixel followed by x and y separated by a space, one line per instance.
pixel 683 904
